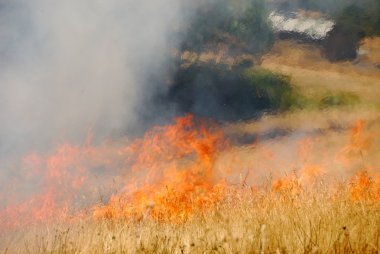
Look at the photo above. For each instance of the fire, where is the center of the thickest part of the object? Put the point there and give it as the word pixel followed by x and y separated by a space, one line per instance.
pixel 365 187
pixel 176 167
pixel 358 144
pixel 310 173
pixel 167 174
pixel 287 185
pixel 59 177
pixel 172 172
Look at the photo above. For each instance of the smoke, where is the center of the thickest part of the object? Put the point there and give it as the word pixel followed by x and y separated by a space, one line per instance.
pixel 314 28
pixel 67 66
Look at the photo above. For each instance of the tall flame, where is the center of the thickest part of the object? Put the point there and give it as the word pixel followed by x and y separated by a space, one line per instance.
pixel 172 172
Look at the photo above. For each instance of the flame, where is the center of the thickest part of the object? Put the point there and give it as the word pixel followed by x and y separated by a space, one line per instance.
pixel 177 165
pixel 365 187
pixel 358 144
pixel 287 185
pixel 167 174
pixel 60 176
pixel 172 172
pixel 310 173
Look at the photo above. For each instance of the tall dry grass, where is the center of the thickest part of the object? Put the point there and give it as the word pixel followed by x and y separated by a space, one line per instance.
pixel 276 218
pixel 290 220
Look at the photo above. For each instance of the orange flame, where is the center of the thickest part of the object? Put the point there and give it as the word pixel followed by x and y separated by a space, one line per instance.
pixel 358 143
pixel 289 185
pixel 170 173
pixel 365 187
pixel 177 168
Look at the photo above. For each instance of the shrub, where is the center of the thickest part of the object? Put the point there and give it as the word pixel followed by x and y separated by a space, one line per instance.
pixel 236 93
pixel 240 24
pixel 339 99
pixel 354 21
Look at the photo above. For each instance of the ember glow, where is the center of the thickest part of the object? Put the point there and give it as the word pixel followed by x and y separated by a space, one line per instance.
pixel 168 174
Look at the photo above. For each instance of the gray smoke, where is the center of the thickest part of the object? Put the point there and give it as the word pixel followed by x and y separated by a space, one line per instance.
pixel 67 66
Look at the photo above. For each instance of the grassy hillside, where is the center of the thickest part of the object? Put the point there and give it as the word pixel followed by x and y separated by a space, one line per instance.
pixel 291 164
pixel 316 76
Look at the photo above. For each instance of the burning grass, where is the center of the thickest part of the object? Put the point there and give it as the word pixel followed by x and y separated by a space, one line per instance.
pixel 269 220
pixel 183 188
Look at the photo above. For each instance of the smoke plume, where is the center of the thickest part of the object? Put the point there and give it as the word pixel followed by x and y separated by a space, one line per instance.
pixel 67 66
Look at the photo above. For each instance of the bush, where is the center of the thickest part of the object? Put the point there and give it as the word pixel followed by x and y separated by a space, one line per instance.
pixel 242 25
pixel 353 23
pixel 330 7
pixel 210 90
pixel 339 99
pixel 341 45
pixel 357 20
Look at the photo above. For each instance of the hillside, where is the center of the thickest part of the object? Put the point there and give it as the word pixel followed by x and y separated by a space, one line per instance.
pixel 228 126
pixel 316 75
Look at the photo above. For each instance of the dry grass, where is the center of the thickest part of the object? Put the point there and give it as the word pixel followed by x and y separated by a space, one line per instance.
pixel 315 75
pixel 324 215
pixel 311 72
pixel 372 47
pixel 247 221
pixel 307 120
pixel 321 216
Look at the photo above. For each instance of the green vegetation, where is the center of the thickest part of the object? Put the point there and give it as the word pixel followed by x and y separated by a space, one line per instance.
pixel 325 100
pixel 225 93
pixel 241 25
pixel 242 92
pixel 330 7
pixel 277 88
pixel 364 13
pixel 360 21
pixel 338 99
pixel 353 23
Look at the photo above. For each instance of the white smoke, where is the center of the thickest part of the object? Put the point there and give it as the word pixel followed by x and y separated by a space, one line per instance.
pixel 315 28
pixel 66 66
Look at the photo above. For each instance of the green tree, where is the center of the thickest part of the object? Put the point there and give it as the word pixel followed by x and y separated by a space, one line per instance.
pixel 240 24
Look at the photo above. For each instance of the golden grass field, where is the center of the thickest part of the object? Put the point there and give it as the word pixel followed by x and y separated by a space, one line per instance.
pixel 313 189
pixel 247 221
